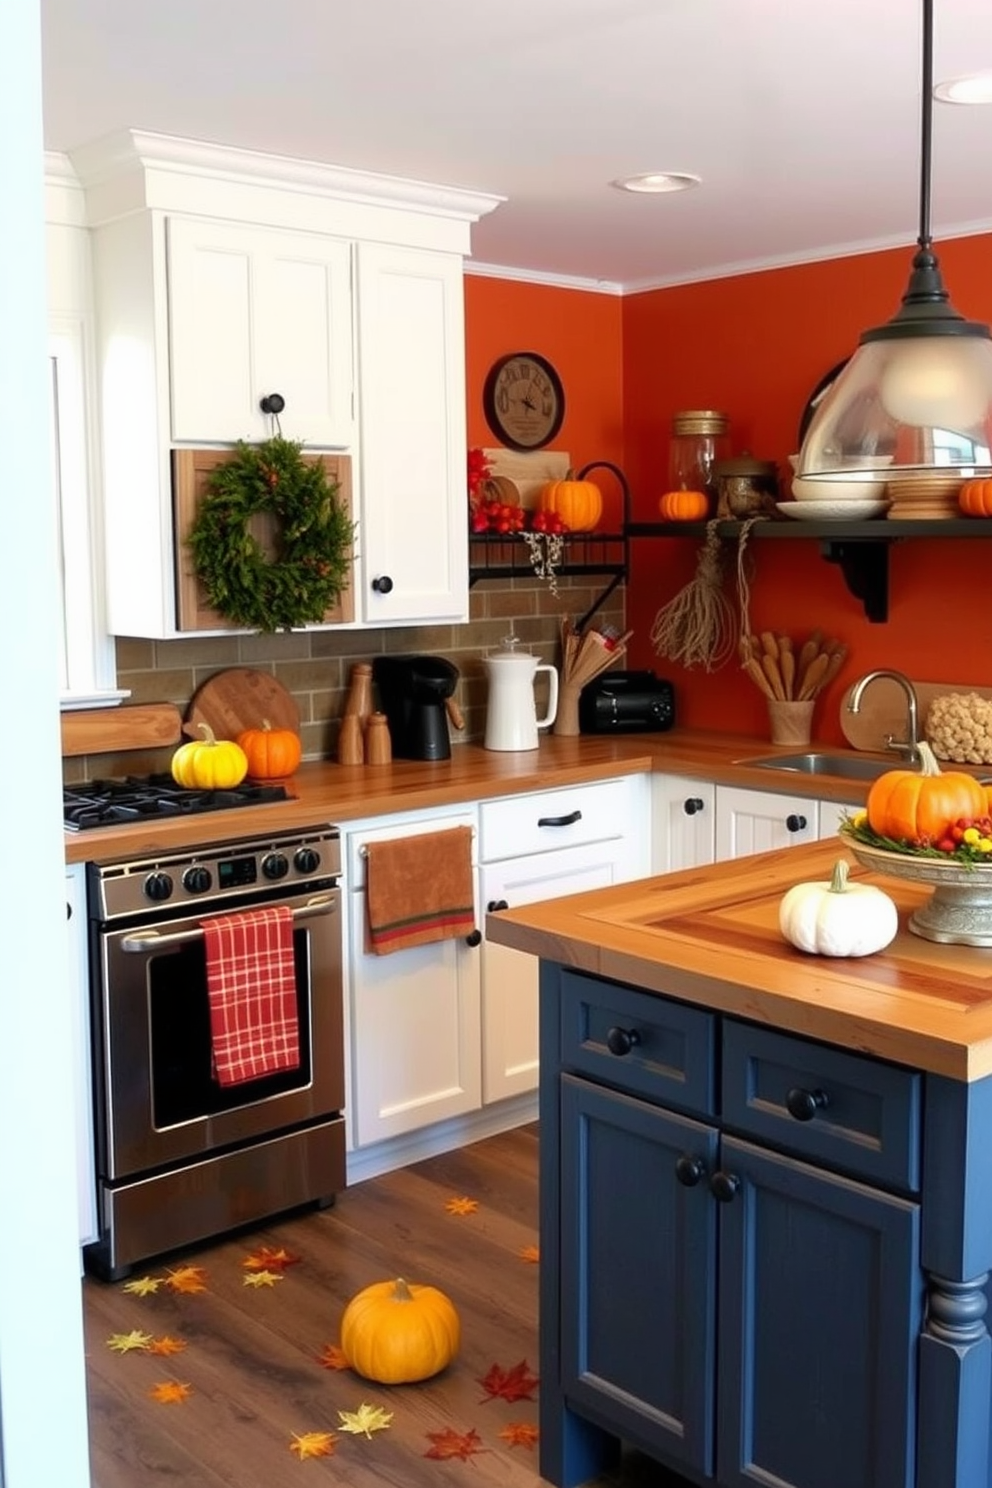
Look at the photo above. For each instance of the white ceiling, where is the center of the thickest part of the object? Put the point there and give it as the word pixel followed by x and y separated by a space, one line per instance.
pixel 801 118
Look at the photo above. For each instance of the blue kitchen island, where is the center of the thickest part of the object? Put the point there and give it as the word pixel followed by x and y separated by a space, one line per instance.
pixel 766 1189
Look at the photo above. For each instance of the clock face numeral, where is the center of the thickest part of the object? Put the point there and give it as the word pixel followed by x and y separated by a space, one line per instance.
pixel 523 400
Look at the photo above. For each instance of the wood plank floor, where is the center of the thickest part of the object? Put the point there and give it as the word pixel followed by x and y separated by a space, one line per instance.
pixel 251 1354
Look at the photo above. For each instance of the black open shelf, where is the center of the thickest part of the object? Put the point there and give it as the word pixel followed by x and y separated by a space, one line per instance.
pixel 495 555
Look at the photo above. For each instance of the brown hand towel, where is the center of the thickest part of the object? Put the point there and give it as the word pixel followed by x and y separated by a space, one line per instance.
pixel 419 889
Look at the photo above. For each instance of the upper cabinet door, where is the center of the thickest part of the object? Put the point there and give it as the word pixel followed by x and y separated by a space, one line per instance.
pixel 253 312
pixel 413 539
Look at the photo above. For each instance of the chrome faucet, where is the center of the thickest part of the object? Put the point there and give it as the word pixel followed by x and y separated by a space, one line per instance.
pixel 910 746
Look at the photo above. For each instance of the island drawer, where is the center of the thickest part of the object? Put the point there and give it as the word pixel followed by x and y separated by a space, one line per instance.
pixel 637 1043
pixel 851 1112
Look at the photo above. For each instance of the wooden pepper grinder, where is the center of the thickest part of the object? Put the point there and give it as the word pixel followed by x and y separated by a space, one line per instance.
pixel 378 745
pixel 357 708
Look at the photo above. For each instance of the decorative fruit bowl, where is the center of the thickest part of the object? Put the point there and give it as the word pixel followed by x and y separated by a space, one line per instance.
pixel 959 912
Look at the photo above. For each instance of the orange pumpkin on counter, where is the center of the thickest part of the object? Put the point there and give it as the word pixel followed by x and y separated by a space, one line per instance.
pixel 272 753
pixel 914 805
pixel 684 506
pixel 579 503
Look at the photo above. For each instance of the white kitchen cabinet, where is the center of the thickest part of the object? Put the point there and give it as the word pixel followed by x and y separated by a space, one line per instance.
pixel 79 1012
pixel 832 813
pixel 413 544
pixel 413 1016
pixel 223 276
pixel 683 822
pixel 254 312
pixel 536 847
pixel 749 821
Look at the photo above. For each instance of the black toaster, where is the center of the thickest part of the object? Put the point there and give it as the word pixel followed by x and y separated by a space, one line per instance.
pixel 626 703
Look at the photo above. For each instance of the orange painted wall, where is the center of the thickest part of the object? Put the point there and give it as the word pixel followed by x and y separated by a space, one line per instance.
pixel 753 345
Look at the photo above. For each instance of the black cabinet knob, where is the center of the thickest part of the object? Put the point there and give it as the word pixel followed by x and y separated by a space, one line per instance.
pixel 495 904
pixel 689 1170
pixel 795 824
pixel 272 403
pixel 473 938
pixel 803 1105
pixel 382 584
pixel 724 1186
pixel 692 805
pixel 620 1041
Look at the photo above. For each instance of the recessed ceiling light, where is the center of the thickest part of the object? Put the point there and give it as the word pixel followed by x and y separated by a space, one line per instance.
pixel 657 182
pixel 976 88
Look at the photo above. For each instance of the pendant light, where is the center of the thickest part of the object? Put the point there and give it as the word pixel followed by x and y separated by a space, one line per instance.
pixel 917 393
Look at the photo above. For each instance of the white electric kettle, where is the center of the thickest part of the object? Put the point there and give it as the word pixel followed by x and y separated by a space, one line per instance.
pixel 511 719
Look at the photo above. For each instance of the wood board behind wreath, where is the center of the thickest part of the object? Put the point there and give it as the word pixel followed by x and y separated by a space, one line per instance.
pixel 191 470
pixel 529 470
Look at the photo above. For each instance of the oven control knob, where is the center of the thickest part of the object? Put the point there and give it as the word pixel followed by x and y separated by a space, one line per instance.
pixel 158 886
pixel 197 880
pixel 275 865
pixel 307 860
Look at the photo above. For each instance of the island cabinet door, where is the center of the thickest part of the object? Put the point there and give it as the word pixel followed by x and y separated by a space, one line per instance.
pixel 638 1257
pixel 819 1307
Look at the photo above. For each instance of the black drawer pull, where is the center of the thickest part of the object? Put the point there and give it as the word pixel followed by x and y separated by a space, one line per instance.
pixel 803 1105
pixel 795 824
pixel 689 1170
pixel 725 1187
pixel 620 1041
pixel 473 938
pixel 496 904
pixel 692 805
pixel 560 821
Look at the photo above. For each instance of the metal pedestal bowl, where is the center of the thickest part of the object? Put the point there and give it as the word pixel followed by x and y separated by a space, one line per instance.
pixel 958 912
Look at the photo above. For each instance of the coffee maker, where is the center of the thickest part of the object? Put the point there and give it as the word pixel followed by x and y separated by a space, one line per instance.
pixel 414 691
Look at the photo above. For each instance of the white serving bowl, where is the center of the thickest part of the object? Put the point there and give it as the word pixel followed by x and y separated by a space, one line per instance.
pixel 839 486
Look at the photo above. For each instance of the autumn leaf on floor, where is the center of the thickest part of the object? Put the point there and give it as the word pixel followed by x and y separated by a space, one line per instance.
pixel 166 1346
pixel 171 1392
pixel 462 1206
pixel 530 1253
pixel 520 1434
pixel 261 1278
pixel 187 1279
pixel 143 1286
pixel 450 1443
pixel 332 1357
pixel 313 1444
pixel 510 1384
pixel 124 1343
pixel 268 1259
pixel 365 1420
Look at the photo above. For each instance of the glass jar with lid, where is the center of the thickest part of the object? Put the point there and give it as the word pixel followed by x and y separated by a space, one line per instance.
pixel 700 437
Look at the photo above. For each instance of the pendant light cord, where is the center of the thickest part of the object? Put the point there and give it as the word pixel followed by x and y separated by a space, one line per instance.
pixel 925 238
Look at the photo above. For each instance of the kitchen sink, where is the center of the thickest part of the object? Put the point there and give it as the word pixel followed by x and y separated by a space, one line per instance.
pixel 849 766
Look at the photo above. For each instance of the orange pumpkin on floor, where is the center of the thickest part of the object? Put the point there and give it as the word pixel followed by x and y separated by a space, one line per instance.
pixel 579 503
pixel 396 1333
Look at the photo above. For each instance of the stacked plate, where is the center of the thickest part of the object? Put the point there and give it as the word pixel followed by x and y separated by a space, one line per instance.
pixel 929 494
pixel 843 497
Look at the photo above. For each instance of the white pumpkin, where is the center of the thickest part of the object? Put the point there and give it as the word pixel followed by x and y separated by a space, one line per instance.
pixel 838 918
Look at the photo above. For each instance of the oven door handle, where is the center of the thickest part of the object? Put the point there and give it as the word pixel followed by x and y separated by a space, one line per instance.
pixel 150 940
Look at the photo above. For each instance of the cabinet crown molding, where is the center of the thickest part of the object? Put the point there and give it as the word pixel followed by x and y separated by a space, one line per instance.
pixel 134 169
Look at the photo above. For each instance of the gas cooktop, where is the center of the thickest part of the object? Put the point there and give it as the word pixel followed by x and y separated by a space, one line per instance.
pixel 104 803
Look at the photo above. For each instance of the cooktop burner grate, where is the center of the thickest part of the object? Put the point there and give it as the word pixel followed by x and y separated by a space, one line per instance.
pixel 102 803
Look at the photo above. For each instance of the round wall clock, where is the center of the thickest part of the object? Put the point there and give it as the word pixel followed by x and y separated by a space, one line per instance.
pixel 523 400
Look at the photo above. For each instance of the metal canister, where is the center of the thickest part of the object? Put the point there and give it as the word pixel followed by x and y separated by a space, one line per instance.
pixel 745 487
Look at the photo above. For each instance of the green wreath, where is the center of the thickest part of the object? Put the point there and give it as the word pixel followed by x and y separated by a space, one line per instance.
pixel 314 540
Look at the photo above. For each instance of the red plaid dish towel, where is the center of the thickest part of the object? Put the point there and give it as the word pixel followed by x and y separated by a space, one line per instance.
pixel 251 986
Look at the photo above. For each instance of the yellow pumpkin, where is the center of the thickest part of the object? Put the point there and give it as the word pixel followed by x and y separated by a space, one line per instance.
pixel 209 763
pixel 684 506
pixel 396 1332
pixel 579 503
pixel 272 753
pixel 919 805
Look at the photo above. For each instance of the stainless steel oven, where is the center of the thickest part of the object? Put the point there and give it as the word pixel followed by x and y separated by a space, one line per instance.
pixel 179 1157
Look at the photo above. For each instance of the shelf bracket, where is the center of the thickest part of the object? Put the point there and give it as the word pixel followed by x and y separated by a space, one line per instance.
pixel 864 562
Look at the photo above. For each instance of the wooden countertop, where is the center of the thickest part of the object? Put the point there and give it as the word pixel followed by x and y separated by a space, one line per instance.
pixel 710 936
pixel 329 792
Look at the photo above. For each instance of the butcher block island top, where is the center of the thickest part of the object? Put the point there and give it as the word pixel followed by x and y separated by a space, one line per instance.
pixel 710 936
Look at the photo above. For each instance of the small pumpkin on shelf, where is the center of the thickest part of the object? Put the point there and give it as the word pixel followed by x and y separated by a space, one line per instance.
pixel 579 503
pixel 272 753
pixel 917 805
pixel 684 506
pixel 396 1332
pixel 838 918
pixel 209 763
pixel 975 498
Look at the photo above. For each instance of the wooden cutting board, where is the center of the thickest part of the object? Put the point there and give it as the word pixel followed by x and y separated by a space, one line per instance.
pixel 883 710
pixel 110 730
pixel 240 698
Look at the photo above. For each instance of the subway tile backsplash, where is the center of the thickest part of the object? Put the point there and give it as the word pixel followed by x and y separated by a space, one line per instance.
pixel 315 665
